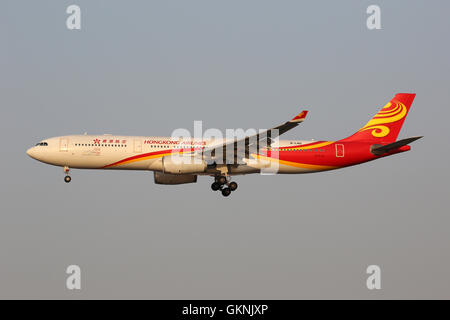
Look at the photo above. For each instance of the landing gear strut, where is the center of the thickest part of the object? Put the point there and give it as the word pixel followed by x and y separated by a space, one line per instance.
pixel 222 184
pixel 221 180
pixel 67 178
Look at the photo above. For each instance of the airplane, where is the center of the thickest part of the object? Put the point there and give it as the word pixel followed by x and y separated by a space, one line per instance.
pixel 211 157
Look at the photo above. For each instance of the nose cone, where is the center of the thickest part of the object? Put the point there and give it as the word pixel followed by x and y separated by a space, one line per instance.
pixel 32 152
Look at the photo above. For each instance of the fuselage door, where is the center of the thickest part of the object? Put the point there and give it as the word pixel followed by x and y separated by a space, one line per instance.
pixel 137 145
pixel 339 150
pixel 63 144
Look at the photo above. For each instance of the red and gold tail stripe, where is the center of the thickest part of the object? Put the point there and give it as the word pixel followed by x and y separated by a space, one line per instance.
pixel 393 111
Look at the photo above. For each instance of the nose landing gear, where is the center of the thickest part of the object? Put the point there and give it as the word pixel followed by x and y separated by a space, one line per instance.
pixel 67 178
pixel 221 183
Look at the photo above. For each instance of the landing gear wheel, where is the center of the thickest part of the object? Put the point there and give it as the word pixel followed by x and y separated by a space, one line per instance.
pixel 233 186
pixel 67 179
pixel 221 180
pixel 226 192
pixel 215 186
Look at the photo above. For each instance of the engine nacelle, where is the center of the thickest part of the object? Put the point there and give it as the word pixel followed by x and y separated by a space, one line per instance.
pixel 167 178
pixel 180 164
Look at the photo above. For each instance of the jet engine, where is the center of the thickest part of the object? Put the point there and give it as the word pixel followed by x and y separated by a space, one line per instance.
pixel 183 164
pixel 167 178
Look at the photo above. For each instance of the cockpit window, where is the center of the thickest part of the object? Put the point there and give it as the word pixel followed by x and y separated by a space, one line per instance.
pixel 42 144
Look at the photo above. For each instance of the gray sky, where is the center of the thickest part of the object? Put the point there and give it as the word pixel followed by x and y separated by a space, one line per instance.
pixel 148 67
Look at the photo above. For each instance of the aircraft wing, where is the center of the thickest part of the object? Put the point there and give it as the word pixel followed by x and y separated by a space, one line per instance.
pixel 242 147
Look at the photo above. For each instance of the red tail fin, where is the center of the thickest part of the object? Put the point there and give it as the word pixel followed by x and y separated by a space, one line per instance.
pixel 385 126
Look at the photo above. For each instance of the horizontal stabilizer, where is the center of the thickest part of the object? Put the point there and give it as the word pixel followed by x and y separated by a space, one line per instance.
pixel 378 150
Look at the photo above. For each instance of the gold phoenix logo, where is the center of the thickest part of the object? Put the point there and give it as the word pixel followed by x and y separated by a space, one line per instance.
pixel 391 112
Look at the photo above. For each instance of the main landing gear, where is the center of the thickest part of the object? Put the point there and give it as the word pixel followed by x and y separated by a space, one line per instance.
pixel 221 183
pixel 67 178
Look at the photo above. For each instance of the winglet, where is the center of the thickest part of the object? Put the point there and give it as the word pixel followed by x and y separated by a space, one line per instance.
pixel 300 117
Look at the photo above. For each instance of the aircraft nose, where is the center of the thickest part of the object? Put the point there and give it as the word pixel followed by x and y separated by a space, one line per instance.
pixel 32 152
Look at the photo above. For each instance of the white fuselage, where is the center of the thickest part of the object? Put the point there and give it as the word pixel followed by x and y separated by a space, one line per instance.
pixel 125 152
